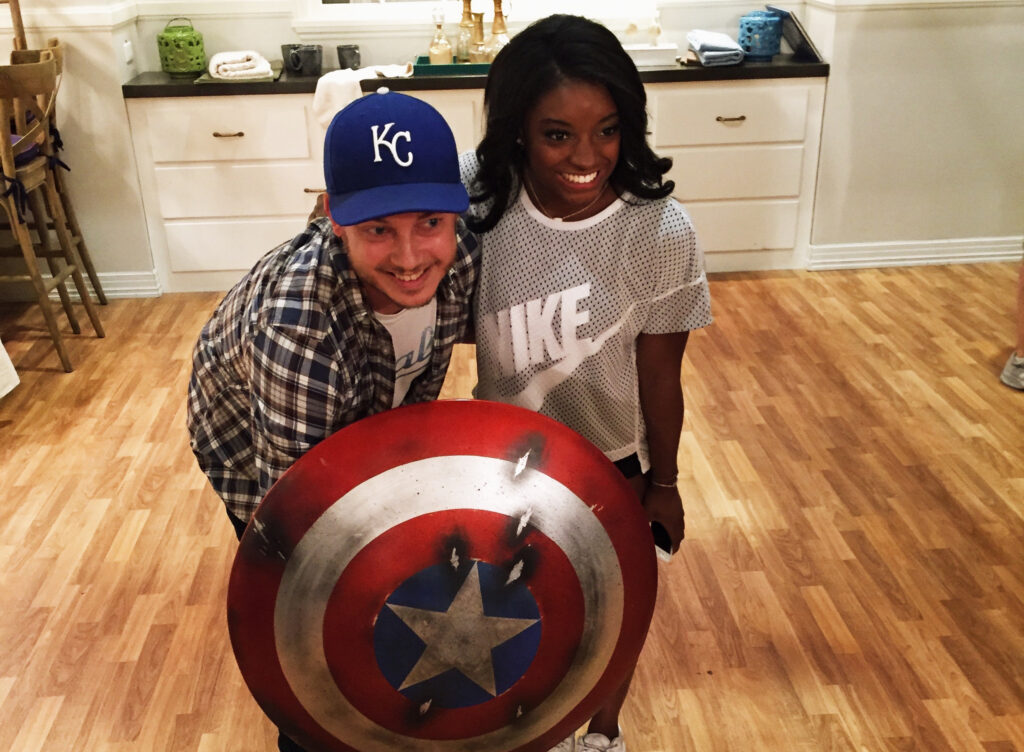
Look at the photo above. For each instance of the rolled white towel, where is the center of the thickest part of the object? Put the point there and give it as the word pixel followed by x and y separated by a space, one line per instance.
pixel 337 89
pixel 334 91
pixel 239 65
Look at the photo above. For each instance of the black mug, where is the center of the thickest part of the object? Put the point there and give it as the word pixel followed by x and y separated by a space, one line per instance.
pixel 348 56
pixel 302 59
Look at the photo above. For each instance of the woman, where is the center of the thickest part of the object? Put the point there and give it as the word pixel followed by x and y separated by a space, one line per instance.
pixel 591 278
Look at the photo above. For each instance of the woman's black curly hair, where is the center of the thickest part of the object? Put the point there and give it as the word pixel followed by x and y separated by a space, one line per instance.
pixel 544 55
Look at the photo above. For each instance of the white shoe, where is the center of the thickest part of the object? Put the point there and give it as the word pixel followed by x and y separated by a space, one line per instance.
pixel 1013 372
pixel 566 745
pixel 601 743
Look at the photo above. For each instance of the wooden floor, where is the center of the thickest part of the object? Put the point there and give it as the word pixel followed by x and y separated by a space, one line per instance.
pixel 853 576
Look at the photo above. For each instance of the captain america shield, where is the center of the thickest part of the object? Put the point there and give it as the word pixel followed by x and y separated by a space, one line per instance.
pixel 454 576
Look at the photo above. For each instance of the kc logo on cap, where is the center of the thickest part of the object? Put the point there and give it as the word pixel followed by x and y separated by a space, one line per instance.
pixel 389 153
pixel 379 140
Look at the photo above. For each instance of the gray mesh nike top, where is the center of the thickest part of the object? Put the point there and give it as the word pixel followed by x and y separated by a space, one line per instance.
pixel 560 304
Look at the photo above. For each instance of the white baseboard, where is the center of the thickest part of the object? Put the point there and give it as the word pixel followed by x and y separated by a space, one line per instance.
pixel 716 262
pixel 115 285
pixel 914 253
pixel 131 285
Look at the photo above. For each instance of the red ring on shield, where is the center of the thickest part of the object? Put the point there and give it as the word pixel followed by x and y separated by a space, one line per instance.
pixel 352 661
pixel 479 485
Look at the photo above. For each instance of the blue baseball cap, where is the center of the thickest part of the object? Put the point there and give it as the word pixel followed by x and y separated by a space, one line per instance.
pixel 388 153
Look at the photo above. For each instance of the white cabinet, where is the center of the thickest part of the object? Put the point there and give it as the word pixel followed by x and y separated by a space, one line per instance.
pixel 744 162
pixel 227 178
pixel 464 111
pixel 224 180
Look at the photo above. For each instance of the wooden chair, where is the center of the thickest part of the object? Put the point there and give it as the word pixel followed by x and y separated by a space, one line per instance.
pixel 19 27
pixel 20 57
pixel 29 185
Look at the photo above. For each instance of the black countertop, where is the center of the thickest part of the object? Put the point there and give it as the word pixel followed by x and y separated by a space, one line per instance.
pixel 156 84
pixel 803 62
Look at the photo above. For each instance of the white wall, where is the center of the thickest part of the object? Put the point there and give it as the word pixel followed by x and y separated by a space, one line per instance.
pixel 261 25
pixel 94 128
pixel 923 137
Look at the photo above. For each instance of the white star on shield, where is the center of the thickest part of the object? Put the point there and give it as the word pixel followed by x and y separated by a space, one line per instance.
pixel 461 637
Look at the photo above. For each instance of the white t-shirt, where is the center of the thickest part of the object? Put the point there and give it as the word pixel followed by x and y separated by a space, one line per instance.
pixel 412 335
pixel 559 307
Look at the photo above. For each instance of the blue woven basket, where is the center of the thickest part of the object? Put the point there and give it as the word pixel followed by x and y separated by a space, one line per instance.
pixel 760 35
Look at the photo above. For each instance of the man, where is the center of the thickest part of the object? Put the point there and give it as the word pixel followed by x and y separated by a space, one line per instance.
pixel 356 315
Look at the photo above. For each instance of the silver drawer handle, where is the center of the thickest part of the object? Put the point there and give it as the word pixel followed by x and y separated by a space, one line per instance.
pixel 218 134
pixel 314 190
pixel 722 119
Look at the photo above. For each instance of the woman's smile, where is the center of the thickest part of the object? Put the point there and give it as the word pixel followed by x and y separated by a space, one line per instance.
pixel 572 147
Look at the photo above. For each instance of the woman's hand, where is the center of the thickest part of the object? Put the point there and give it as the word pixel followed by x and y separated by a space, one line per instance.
pixel 664 506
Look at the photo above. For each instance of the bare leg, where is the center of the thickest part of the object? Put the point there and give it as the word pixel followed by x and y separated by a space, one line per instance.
pixel 606 720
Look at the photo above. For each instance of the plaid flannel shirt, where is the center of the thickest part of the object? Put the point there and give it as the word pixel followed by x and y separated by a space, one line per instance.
pixel 293 354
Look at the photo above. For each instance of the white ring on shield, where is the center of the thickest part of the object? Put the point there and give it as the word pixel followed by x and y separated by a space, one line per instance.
pixel 401 494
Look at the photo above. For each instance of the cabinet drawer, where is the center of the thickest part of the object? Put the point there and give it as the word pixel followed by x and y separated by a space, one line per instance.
pixel 189 132
pixel 233 190
pixel 729 116
pixel 744 225
pixel 736 172
pixel 462 110
pixel 226 245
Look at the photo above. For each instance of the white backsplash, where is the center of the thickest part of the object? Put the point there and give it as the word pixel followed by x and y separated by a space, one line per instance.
pixel 395 33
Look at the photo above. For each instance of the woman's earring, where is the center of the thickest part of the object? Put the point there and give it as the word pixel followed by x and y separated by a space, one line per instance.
pixel 519 140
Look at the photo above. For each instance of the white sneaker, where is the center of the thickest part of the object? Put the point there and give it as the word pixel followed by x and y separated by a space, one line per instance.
pixel 601 743
pixel 566 745
pixel 1013 372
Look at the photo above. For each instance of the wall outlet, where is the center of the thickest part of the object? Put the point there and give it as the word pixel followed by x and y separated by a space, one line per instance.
pixel 129 52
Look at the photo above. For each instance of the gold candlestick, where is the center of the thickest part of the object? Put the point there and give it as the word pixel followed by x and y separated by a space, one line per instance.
pixel 476 48
pixel 465 41
pixel 499 33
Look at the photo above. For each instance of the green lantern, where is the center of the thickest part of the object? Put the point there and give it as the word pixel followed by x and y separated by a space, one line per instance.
pixel 181 49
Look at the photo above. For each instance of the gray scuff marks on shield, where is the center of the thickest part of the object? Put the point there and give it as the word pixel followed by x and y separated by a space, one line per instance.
pixel 270 542
pixel 528 452
pixel 524 519
pixel 517 569
pixel 453 551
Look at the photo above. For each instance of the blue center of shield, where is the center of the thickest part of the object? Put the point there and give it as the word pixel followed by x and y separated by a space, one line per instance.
pixel 457 638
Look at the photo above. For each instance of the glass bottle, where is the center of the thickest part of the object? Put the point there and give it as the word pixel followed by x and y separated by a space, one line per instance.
pixel 440 47
pixel 476 48
pixel 465 40
pixel 499 33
